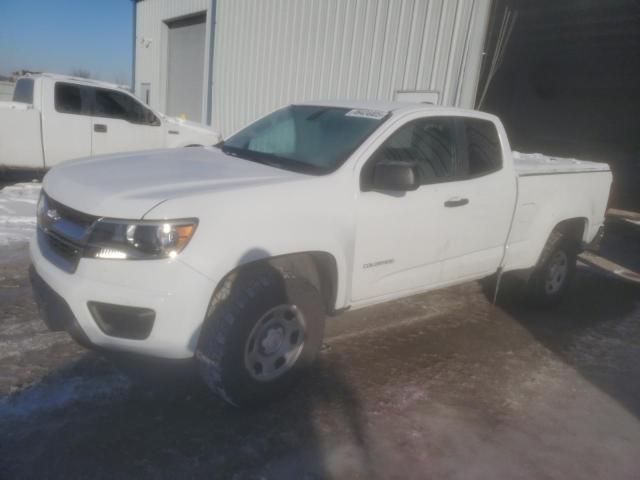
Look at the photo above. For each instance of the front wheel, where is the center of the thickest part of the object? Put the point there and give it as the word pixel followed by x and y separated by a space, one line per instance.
pixel 550 279
pixel 263 329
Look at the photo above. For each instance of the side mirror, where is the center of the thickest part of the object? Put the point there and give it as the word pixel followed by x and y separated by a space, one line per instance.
pixel 396 175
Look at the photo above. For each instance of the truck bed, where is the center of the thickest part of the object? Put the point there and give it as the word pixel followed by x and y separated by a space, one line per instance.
pixel 527 164
pixel 20 137
pixel 546 196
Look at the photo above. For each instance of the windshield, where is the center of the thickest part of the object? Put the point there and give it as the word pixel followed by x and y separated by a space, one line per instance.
pixel 310 139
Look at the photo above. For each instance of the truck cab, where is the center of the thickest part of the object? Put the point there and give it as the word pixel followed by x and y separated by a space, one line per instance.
pixel 54 118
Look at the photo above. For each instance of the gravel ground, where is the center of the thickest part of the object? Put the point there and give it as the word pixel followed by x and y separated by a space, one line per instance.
pixel 442 385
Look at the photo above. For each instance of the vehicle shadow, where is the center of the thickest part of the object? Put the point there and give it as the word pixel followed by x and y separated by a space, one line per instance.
pixel 156 419
pixel 594 330
pixel 170 426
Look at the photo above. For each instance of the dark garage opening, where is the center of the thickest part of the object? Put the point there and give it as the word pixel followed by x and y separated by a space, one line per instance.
pixel 564 76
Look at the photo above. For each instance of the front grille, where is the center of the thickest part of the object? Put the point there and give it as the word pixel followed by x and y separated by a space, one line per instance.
pixel 63 247
pixel 83 220
pixel 61 253
pixel 62 233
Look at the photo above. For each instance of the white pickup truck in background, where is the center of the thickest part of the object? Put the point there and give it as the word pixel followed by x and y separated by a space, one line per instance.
pixel 235 254
pixel 54 118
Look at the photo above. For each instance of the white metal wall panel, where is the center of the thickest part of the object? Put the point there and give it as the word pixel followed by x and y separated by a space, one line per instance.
pixel 272 52
pixel 151 47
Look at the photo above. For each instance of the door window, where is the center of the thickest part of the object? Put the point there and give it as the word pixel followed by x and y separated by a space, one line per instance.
pixel 119 105
pixel 442 148
pixel 68 98
pixel 430 143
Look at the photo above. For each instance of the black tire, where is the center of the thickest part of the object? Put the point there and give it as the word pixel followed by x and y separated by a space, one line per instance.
pixel 546 286
pixel 236 308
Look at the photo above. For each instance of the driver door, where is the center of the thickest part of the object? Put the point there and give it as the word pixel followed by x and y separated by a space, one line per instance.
pixel 120 123
pixel 400 245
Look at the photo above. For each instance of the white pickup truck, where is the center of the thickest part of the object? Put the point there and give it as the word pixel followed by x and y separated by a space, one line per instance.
pixel 53 118
pixel 234 254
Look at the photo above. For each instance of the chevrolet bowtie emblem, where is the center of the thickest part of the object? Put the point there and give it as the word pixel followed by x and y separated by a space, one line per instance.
pixel 53 215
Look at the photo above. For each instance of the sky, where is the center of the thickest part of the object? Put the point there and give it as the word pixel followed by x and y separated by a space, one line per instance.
pixel 61 36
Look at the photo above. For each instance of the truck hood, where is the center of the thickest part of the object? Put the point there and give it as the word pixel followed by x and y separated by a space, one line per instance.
pixel 129 185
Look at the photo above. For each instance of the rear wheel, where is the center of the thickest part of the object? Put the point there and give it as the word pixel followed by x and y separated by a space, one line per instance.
pixel 263 329
pixel 550 279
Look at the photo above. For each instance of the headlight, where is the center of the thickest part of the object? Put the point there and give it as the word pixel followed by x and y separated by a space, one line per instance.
pixel 120 240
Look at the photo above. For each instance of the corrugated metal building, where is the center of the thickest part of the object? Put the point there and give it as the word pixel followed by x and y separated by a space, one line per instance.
pixel 226 62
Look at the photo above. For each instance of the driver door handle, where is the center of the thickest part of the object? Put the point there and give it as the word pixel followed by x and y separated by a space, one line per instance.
pixel 99 127
pixel 456 202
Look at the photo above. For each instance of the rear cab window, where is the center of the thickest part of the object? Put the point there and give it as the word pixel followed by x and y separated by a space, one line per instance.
pixel 69 98
pixel 484 153
pixel 23 92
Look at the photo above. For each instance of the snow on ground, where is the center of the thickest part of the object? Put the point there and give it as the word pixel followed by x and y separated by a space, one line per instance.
pixel 18 212
pixel 63 391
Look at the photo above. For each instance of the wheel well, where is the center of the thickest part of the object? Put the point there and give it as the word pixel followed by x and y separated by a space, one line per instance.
pixel 573 229
pixel 318 268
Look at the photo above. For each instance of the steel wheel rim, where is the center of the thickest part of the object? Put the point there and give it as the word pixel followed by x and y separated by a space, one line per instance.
pixel 275 343
pixel 557 272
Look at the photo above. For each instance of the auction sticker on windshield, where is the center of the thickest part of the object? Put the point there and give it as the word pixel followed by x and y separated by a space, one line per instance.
pixel 362 113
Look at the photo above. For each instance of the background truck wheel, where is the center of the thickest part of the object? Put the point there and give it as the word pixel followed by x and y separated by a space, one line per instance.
pixel 551 277
pixel 263 328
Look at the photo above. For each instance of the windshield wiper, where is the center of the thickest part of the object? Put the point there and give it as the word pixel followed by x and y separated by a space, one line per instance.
pixel 236 152
pixel 286 163
pixel 271 160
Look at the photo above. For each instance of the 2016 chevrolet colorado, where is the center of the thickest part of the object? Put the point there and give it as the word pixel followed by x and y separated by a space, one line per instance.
pixel 235 254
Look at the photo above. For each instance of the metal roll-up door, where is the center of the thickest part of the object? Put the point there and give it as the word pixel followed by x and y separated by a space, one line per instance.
pixel 185 67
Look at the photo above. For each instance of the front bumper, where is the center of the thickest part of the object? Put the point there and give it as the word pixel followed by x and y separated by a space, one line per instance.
pixel 178 294
pixel 55 311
